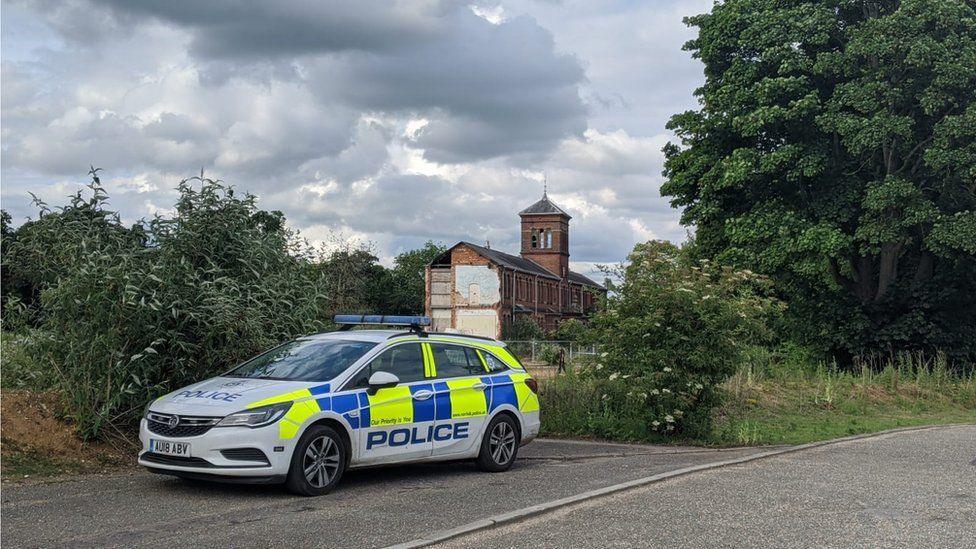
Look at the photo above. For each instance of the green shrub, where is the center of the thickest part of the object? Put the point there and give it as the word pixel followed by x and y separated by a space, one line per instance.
pixel 571 329
pixel 131 318
pixel 673 331
pixel 548 353
pixel 523 328
pixel 20 368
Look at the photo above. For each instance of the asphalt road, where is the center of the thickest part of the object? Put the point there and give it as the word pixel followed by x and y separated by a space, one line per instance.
pixel 371 508
pixel 911 489
pixel 908 489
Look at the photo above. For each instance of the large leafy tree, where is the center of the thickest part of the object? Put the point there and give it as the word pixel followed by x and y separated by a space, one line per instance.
pixel 835 149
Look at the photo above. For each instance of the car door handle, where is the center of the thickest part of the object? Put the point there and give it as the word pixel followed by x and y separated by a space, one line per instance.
pixel 479 385
pixel 422 395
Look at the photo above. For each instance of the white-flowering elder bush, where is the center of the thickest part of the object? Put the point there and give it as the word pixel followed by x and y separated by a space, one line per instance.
pixel 673 330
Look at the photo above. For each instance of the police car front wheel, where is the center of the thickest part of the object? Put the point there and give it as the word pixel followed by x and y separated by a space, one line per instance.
pixel 499 445
pixel 318 462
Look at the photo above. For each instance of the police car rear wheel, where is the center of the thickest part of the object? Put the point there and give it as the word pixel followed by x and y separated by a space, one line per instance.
pixel 500 445
pixel 318 462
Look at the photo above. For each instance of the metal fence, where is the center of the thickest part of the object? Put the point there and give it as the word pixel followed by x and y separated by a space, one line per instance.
pixel 539 352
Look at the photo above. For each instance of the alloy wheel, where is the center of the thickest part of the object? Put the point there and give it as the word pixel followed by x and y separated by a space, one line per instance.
pixel 321 461
pixel 501 442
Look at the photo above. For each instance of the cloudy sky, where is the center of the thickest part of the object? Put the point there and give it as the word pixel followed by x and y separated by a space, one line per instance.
pixel 392 124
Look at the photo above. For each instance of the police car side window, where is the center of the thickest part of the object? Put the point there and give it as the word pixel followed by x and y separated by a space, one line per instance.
pixel 456 361
pixel 494 364
pixel 404 361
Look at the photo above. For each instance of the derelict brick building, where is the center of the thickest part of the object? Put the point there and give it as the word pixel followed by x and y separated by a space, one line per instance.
pixel 476 290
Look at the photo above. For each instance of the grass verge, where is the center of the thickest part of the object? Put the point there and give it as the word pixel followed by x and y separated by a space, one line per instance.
pixel 771 402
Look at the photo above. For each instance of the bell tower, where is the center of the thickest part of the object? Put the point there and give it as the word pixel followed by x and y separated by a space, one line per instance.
pixel 545 236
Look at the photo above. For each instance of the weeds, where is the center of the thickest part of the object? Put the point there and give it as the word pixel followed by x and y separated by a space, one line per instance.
pixel 776 398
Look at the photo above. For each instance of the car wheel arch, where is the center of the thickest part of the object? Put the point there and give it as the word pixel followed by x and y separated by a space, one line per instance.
pixel 339 427
pixel 510 413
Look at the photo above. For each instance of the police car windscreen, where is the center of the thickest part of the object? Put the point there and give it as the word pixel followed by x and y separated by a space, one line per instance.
pixel 307 360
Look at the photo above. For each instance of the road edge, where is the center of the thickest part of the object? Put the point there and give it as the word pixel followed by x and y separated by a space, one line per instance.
pixel 524 513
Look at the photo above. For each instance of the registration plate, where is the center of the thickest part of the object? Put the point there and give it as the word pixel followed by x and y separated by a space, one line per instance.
pixel 169 448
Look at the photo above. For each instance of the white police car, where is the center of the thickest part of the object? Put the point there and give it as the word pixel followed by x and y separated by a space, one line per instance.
pixel 304 412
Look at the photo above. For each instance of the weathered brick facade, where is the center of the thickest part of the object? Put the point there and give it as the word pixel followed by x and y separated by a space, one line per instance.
pixel 478 290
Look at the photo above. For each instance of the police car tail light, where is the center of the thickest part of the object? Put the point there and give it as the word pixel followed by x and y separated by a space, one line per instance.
pixel 532 384
pixel 256 417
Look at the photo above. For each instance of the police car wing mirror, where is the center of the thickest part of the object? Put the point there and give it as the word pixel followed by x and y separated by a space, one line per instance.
pixel 382 380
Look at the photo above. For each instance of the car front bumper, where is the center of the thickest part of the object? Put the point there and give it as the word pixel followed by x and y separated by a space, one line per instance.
pixel 206 459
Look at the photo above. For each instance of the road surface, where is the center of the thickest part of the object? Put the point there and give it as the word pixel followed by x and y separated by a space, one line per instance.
pixel 909 488
pixel 375 507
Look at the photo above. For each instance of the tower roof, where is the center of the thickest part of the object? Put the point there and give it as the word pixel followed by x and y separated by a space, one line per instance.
pixel 544 207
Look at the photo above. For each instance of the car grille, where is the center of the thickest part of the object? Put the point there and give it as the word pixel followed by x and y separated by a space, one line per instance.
pixel 176 460
pixel 188 426
pixel 245 454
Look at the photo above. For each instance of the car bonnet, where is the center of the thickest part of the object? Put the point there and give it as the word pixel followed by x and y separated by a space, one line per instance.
pixel 225 395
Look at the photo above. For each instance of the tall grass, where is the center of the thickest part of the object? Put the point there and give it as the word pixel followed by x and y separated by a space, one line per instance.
pixel 784 396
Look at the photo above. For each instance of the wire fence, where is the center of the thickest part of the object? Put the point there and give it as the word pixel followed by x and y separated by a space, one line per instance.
pixel 545 352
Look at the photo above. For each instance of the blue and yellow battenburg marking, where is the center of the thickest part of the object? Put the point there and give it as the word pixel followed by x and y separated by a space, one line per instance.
pixel 450 399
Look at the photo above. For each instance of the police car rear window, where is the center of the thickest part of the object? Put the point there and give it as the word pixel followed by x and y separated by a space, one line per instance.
pixel 494 363
pixel 304 360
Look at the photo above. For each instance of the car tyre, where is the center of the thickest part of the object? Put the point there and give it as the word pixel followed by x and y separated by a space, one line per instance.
pixel 499 446
pixel 318 462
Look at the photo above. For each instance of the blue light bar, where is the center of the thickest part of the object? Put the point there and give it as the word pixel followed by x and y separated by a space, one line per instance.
pixel 385 320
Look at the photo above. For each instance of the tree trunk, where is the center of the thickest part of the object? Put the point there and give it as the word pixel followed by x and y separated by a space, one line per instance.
pixel 888 268
pixel 926 267
pixel 864 267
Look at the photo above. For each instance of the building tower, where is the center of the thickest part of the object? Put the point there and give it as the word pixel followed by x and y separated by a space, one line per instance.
pixel 545 236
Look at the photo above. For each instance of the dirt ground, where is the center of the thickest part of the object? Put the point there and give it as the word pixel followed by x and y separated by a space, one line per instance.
pixel 37 440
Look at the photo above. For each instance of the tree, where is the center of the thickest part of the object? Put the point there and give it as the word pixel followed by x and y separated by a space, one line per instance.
pixel 356 281
pixel 835 150
pixel 407 290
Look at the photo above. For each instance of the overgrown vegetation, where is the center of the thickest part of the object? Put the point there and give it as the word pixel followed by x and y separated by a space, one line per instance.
pixel 772 400
pixel 673 330
pixel 112 316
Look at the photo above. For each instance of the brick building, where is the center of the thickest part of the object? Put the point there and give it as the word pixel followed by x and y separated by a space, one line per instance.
pixel 477 290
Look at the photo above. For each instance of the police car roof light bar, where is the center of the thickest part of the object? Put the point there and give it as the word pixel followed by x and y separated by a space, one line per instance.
pixel 415 323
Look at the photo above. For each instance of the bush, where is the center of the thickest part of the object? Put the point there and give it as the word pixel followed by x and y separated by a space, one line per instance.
pixel 20 369
pixel 673 331
pixel 571 329
pixel 131 318
pixel 523 328
pixel 548 353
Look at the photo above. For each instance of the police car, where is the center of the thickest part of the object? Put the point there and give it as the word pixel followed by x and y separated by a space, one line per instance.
pixel 308 410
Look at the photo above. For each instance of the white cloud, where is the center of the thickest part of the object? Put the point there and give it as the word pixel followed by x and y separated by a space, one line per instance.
pixel 429 120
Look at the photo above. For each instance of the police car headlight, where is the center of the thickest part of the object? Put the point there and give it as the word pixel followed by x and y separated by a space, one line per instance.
pixel 256 417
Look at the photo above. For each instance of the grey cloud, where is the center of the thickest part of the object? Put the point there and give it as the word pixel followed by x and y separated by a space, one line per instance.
pixel 242 29
pixel 489 90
